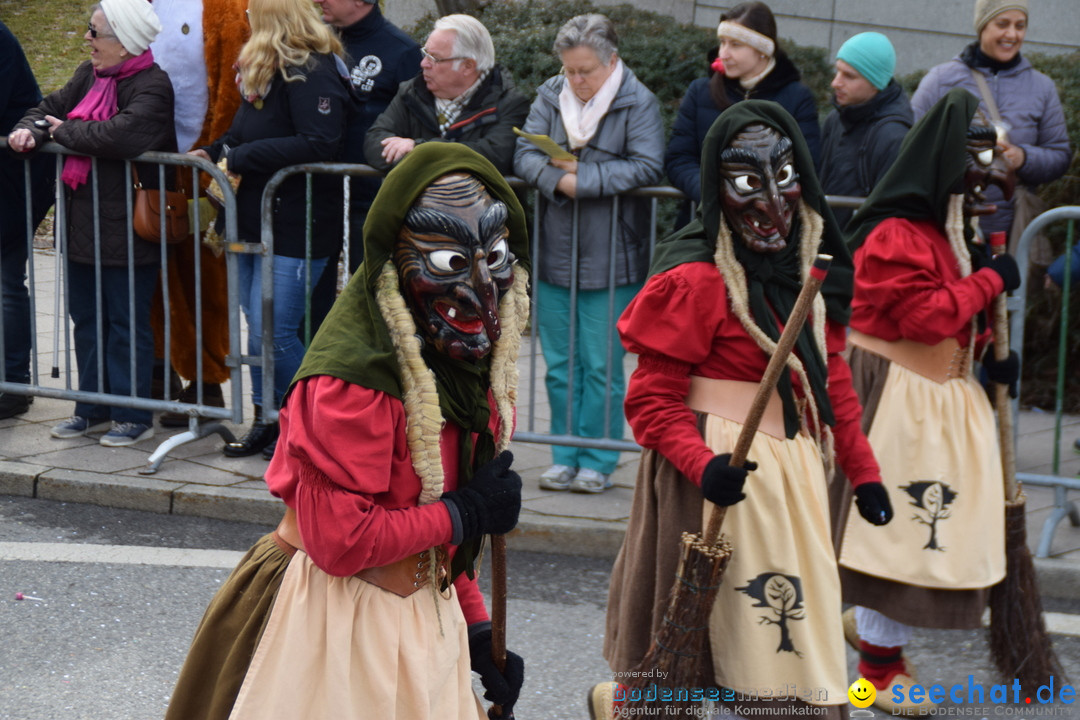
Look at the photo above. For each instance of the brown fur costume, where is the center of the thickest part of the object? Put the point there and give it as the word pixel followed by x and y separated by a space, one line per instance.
pixel 225 30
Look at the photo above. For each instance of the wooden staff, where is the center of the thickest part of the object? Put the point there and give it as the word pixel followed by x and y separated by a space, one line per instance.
pixel 498 614
pixel 1019 642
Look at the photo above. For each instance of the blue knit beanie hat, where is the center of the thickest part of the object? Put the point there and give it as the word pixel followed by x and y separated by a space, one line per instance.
pixel 872 55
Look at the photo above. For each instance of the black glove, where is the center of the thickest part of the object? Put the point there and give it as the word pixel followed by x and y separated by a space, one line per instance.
pixel 1005 266
pixel 501 687
pixel 873 502
pixel 721 483
pixel 1004 372
pixel 491 502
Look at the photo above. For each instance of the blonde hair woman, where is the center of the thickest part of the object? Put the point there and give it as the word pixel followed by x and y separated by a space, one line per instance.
pixel 294 111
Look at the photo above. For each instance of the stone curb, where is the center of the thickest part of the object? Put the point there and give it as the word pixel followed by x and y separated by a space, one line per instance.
pixel 535 532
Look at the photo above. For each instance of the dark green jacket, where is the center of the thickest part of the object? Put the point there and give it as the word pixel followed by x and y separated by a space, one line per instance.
pixel 486 124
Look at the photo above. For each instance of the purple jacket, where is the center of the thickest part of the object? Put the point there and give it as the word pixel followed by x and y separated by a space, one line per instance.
pixel 1029 105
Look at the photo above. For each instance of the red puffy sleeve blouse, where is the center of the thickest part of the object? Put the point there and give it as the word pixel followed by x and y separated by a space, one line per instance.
pixel 343 464
pixel 681 324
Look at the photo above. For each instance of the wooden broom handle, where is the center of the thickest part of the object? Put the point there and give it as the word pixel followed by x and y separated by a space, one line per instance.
pixel 498 611
pixel 777 364
pixel 1002 402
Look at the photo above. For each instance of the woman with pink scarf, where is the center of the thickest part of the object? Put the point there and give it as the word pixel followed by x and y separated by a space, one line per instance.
pixel 118 105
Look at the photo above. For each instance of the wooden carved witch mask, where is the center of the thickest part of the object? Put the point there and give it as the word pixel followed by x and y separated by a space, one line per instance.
pixel 454 263
pixel 759 189
pixel 985 166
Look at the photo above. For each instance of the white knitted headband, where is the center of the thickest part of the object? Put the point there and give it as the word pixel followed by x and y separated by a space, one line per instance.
pixel 743 34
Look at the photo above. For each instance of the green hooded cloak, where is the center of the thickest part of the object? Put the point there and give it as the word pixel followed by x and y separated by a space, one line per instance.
pixel 928 169
pixel 773 280
pixel 354 342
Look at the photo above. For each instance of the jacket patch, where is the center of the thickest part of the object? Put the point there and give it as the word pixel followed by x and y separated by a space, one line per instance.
pixel 363 75
pixel 324 105
pixel 783 595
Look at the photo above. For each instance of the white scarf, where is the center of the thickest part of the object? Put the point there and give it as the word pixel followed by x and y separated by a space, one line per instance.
pixel 581 119
pixel 751 82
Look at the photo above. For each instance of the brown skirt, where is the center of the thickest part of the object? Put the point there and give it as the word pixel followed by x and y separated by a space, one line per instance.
pixel 227 636
pixel 909 604
pixel 665 505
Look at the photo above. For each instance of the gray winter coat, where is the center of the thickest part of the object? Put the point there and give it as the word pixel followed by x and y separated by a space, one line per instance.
pixel 1029 105
pixel 626 152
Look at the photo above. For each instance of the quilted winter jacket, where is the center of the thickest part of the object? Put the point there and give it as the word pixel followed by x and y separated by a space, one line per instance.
pixel 144 121
pixel 486 124
pixel 1029 105
pixel 625 153
pixel 860 142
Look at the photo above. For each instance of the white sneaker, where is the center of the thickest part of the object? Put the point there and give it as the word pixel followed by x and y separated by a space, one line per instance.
pixel 557 477
pixel 588 480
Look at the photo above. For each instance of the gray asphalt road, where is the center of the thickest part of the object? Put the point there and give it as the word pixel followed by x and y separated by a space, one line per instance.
pixel 110 632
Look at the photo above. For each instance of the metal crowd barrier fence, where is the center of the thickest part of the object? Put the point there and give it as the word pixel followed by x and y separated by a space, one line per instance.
pixel 528 430
pixel 1063 506
pixel 63 359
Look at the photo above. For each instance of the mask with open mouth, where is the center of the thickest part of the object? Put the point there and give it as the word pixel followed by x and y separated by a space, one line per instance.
pixel 454 263
pixel 760 188
pixel 985 166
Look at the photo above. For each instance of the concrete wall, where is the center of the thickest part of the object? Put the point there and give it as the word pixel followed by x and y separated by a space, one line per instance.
pixel 925 32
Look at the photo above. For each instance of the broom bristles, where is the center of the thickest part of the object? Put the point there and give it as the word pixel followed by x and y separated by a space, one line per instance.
pixel 679 656
pixel 1019 642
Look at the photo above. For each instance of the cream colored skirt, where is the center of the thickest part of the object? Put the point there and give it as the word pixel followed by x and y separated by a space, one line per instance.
pixel 775 627
pixel 938 450
pixel 337 648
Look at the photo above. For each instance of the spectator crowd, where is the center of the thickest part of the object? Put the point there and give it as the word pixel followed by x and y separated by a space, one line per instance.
pixel 255 86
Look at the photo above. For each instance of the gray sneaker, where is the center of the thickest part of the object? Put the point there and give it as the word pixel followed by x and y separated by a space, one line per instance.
pixel 76 426
pixel 557 477
pixel 123 434
pixel 588 480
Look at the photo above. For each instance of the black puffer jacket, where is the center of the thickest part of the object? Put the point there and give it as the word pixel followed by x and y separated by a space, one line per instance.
pixel 860 142
pixel 143 121
pixel 300 121
pixel 486 124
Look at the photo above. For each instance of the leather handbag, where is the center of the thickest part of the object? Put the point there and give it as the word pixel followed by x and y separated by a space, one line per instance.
pixel 147 214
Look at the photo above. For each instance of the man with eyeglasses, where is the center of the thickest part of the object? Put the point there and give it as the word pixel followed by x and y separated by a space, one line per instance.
pixel 380 56
pixel 461 96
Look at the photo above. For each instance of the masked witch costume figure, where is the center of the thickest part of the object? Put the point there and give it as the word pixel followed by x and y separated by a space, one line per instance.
pixel 722 287
pixel 922 290
pixel 364 603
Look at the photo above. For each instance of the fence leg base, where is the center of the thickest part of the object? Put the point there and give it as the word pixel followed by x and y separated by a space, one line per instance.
pixel 200 431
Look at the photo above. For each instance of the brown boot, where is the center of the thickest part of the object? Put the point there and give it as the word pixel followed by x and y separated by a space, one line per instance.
pixel 211 396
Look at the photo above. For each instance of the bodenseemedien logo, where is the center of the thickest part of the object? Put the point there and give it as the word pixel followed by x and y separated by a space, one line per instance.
pixel 1010 697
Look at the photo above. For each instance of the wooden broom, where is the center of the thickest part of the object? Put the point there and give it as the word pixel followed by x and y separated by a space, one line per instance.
pixel 498 614
pixel 1019 642
pixel 680 652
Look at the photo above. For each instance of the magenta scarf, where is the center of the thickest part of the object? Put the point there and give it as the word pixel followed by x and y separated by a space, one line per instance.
pixel 100 104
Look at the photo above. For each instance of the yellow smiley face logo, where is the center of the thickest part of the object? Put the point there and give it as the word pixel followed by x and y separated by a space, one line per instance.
pixel 862 693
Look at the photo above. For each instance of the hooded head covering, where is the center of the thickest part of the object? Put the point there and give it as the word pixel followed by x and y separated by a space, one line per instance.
pixel 134 22
pixel 928 169
pixel 773 280
pixel 356 344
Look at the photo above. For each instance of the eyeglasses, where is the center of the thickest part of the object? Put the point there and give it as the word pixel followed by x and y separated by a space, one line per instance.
pixel 434 60
pixel 95 34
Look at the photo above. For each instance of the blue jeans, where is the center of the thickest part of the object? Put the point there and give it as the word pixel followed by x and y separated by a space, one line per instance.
pixel 16 304
pixel 590 402
pixel 116 340
pixel 290 294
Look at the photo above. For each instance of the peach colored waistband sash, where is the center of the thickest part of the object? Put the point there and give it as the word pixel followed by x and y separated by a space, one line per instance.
pixel 732 399
pixel 941 362
pixel 402 578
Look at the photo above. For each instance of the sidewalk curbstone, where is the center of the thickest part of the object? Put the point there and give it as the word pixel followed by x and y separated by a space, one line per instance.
pixel 118 491
pixel 18 478
pixel 228 503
